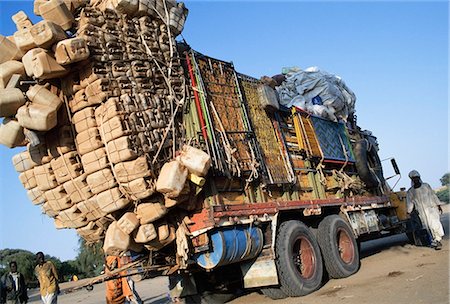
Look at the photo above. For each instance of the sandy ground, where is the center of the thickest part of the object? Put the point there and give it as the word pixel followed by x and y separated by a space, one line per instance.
pixel 391 272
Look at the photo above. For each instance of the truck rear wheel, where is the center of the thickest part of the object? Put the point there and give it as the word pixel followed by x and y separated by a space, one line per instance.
pixel 339 248
pixel 274 293
pixel 298 261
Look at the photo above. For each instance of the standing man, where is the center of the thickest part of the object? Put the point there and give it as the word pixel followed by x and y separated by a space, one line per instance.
pixel 14 287
pixel 119 290
pixel 114 288
pixel 48 279
pixel 421 197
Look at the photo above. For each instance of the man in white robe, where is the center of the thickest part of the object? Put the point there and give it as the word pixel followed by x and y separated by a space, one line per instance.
pixel 423 199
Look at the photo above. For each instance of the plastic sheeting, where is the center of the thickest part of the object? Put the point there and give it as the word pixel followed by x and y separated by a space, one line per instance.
pixel 317 92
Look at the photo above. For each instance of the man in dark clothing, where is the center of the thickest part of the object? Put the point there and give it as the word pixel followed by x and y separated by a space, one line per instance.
pixel 14 287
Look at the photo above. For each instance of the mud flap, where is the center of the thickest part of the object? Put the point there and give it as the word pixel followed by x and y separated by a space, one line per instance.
pixel 259 272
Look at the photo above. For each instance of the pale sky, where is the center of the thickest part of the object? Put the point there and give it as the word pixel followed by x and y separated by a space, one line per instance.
pixel 392 54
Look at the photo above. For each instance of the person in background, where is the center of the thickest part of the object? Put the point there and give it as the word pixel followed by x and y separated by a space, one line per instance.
pixel 118 290
pixel 421 197
pixel 128 258
pixel 14 289
pixel 47 276
pixel 114 289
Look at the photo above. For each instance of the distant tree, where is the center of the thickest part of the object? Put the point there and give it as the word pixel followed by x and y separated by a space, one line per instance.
pixel 68 269
pixel 445 179
pixel 90 259
pixel 444 193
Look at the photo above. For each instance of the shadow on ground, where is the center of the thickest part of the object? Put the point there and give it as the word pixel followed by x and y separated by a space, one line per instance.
pixel 159 299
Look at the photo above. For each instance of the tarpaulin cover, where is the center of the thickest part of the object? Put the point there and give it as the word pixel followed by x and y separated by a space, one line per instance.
pixel 317 92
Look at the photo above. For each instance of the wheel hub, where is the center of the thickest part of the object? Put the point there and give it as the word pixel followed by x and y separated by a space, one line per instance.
pixel 345 246
pixel 304 258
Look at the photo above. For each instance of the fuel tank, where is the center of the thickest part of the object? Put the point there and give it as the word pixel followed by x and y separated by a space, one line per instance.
pixel 231 245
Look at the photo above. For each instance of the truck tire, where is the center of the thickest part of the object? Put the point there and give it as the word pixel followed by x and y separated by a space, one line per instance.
pixel 339 248
pixel 368 164
pixel 273 293
pixel 299 262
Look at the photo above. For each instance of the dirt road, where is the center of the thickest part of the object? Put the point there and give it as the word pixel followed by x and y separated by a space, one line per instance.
pixel 391 272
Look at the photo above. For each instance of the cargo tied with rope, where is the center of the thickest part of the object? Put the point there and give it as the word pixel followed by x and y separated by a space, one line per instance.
pixel 138 141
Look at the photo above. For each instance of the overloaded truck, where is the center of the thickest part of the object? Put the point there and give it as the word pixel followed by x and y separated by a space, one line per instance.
pixel 219 179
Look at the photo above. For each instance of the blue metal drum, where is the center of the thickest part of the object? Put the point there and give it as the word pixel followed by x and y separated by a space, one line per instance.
pixel 231 245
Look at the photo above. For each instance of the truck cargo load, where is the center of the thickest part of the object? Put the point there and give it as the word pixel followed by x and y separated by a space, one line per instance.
pixel 140 142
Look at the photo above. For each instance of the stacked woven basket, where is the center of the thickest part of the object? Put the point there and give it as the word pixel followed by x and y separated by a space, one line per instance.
pixel 93 91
